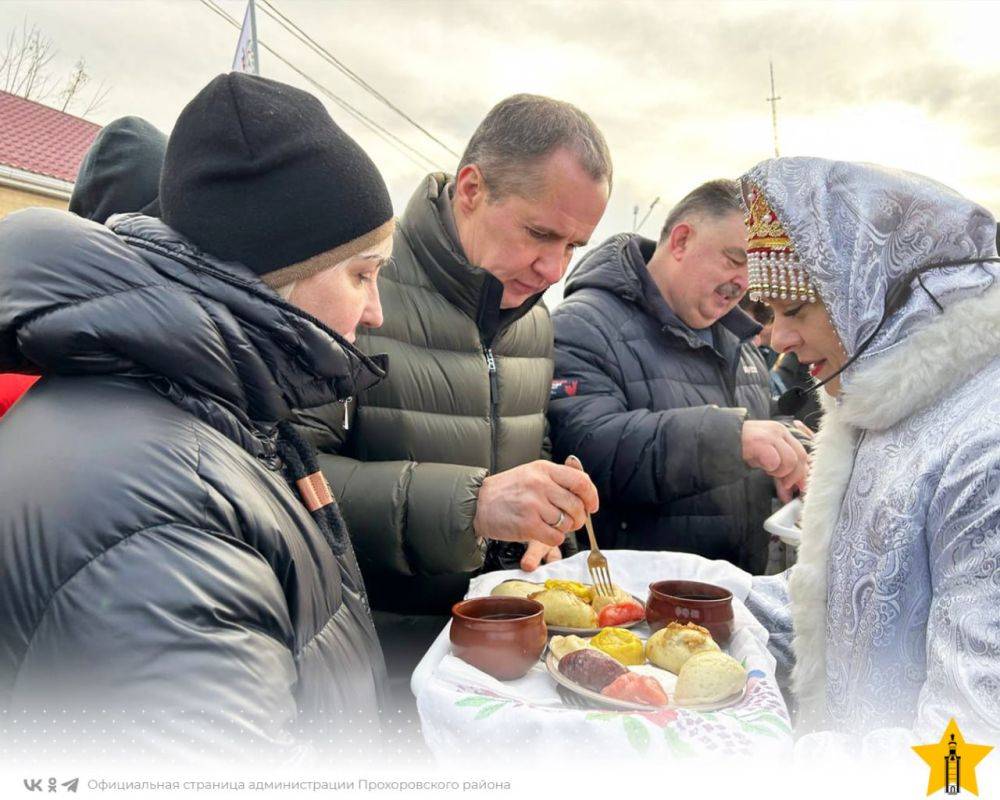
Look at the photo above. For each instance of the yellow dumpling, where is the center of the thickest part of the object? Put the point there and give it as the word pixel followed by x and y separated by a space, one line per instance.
pixel 622 645
pixel 565 610
pixel 584 592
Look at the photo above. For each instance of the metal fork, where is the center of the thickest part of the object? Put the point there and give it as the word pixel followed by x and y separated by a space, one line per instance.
pixel 597 564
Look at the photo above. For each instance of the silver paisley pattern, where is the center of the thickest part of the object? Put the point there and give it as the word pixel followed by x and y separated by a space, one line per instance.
pixel 913 600
pixel 857 227
pixel 913 629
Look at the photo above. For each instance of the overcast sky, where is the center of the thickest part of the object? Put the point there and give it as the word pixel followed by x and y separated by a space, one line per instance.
pixel 678 88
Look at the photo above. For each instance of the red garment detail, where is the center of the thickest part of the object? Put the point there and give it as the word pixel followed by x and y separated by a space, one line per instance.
pixel 12 386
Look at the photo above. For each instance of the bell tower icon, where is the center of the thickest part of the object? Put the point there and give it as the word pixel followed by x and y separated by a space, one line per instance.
pixel 952 769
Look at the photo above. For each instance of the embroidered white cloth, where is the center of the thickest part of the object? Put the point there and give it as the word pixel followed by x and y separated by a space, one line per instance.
pixel 465 713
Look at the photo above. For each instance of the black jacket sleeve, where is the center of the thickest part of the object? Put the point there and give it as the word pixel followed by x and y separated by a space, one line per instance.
pixel 634 454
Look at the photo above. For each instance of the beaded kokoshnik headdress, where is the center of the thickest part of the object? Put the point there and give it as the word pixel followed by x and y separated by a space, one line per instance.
pixel 773 267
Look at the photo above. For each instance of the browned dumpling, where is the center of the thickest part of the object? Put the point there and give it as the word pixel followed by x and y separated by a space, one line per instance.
pixel 673 645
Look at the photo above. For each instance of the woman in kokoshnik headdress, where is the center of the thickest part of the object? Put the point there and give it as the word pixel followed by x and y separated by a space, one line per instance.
pixel 891 614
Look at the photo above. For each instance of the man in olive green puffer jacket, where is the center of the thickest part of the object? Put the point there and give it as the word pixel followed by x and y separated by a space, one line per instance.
pixel 450 451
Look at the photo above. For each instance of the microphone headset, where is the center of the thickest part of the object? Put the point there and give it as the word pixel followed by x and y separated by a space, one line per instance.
pixel 792 401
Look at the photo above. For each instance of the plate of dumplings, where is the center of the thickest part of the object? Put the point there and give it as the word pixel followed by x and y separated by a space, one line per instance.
pixel 679 666
pixel 573 608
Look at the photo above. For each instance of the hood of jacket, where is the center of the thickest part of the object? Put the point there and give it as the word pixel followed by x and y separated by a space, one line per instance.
pixel 77 298
pixel 470 288
pixel 121 170
pixel 618 266
pixel 859 229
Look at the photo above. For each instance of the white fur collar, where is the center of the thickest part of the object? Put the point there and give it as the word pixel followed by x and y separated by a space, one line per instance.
pixel 905 379
pixel 927 364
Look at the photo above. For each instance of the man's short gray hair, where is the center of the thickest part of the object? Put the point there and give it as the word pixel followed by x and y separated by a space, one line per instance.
pixel 715 199
pixel 521 131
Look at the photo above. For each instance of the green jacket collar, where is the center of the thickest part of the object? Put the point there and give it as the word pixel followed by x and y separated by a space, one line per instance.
pixel 471 289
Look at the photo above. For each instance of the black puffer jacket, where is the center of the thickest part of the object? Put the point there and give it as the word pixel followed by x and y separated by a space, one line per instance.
pixel 655 413
pixel 154 556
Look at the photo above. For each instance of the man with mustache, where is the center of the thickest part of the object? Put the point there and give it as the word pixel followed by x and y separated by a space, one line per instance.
pixel 660 391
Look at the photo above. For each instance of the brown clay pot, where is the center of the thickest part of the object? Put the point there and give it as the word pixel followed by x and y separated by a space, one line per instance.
pixel 502 636
pixel 691 601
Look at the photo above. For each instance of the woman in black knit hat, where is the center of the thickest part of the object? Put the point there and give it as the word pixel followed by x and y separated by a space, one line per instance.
pixel 169 551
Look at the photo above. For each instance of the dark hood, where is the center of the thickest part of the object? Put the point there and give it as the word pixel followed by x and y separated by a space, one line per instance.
pixel 611 266
pixel 77 299
pixel 121 171
pixel 618 266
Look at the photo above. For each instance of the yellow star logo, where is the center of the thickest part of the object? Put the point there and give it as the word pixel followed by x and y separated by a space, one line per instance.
pixel 952 761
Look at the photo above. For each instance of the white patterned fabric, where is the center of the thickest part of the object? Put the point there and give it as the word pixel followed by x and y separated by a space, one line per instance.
pixel 896 596
pixel 465 713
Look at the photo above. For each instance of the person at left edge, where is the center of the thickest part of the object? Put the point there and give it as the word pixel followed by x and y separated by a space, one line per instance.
pixel 169 552
pixel 119 173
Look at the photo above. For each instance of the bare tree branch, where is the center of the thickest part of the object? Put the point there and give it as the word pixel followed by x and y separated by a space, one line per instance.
pixel 25 63
pixel 37 54
pixel 76 82
pixel 25 70
pixel 97 100
pixel 7 63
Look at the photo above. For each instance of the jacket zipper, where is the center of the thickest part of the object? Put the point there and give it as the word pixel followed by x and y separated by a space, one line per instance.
pixel 488 321
pixel 491 366
pixel 347 406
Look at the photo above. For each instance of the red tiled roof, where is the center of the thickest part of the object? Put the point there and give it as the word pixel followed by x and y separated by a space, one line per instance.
pixel 43 140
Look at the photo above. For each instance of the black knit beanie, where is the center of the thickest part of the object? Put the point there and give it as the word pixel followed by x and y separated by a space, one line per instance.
pixel 257 172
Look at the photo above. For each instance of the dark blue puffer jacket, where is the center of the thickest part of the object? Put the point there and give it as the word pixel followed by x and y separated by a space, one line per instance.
pixel 655 413
pixel 154 560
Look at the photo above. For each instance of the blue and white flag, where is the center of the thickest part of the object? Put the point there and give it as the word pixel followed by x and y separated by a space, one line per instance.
pixel 245 59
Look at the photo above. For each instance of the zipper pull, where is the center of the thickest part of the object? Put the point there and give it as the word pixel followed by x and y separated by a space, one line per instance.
pixel 347 420
pixel 491 363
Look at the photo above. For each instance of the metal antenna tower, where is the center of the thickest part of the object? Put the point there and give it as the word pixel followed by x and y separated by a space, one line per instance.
pixel 648 212
pixel 773 100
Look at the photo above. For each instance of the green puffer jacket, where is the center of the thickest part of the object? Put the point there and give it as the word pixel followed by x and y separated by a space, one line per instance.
pixel 466 395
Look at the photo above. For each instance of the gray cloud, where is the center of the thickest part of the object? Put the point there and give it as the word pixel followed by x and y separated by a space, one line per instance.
pixel 677 87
